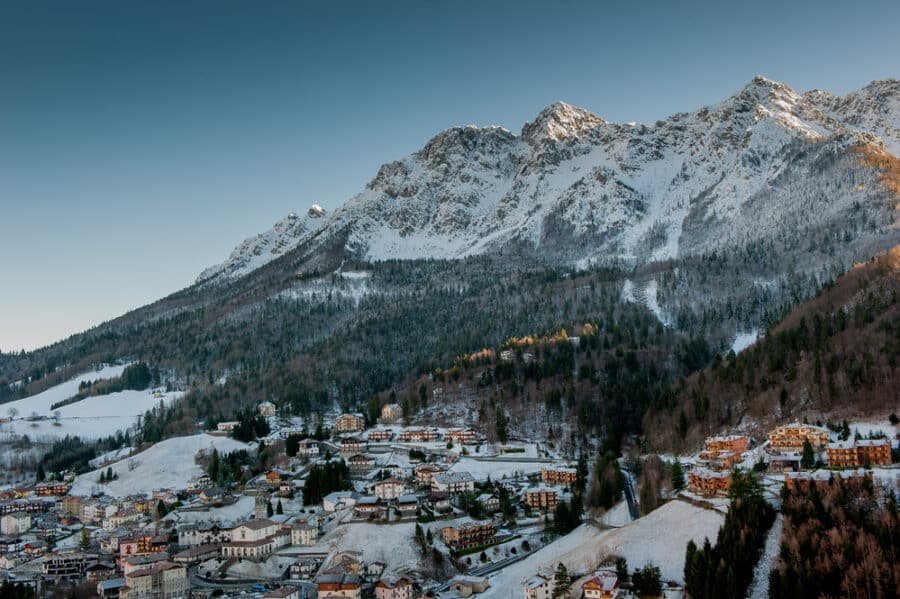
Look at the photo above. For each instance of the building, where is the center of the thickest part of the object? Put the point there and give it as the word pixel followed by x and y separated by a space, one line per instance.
pixel 804 480
pixel 381 435
pixel 164 580
pixel 391 412
pixel 71 505
pixel 305 567
pixel 15 523
pixel 466 586
pixel 110 589
pixel 468 533
pixel 338 500
pixel 121 518
pixel 360 463
pixel 304 534
pixel 350 423
pixel 425 472
pixel 541 498
pixel 142 545
pixel 791 437
pixel 66 566
pixel 266 408
pixel 731 443
pixel 256 539
pixel 51 489
pixel 368 506
pixel 724 452
pixel 390 587
pixel 308 448
pixel 862 452
pixel 343 585
pixel 273 478
pixel 708 482
pixel 389 488
pixel 603 585
pixel 407 505
pixel 785 461
pixel 490 502
pixel 227 427
pixel 559 476
pixel 462 436
pixel 540 586
pixel 452 482
pixel 419 435
pixel 195 555
pixel 352 445
pixel 191 535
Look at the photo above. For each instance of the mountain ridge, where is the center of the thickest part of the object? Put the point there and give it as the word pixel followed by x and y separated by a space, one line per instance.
pixel 579 188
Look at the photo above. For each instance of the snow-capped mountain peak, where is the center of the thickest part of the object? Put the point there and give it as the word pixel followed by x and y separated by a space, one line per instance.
pixel 764 163
pixel 261 249
pixel 560 121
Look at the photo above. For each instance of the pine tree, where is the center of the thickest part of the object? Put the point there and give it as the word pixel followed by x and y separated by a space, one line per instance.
pixel 678 482
pixel 562 584
pixel 269 511
pixel 85 543
pixel 808 458
pixel 278 508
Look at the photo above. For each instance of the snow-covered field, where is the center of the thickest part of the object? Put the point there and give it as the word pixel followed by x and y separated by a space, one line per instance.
pixel 168 464
pixel 617 515
pixel 659 538
pixel 92 417
pixel 41 402
pixel 496 469
pixel 744 340
pixel 232 514
pixel 392 544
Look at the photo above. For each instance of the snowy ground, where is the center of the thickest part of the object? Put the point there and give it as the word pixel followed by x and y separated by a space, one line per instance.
pixel 92 417
pixel 392 544
pixel 759 586
pixel 744 340
pixel 659 538
pixel 497 469
pixel 41 402
pixel 617 515
pixel 168 464
pixel 227 515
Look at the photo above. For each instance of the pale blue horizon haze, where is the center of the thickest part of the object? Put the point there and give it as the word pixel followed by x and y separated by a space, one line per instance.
pixel 140 142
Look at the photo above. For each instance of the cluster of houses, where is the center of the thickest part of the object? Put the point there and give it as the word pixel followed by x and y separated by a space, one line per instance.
pixel 601 584
pixel 132 548
pixel 711 475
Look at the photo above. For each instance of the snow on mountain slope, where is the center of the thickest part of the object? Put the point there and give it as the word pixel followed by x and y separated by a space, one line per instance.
pixel 257 251
pixel 167 464
pixel 572 186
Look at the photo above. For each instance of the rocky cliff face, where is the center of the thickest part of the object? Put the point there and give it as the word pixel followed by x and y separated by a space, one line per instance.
pixel 765 164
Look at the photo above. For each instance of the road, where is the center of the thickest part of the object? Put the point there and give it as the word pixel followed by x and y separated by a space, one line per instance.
pixel 630 496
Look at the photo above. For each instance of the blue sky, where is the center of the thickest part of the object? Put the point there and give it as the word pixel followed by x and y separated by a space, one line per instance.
pixel 140 141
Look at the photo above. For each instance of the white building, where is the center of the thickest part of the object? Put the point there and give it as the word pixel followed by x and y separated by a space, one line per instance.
pixel 15 523
pixel 304 534
pixel 389 488
pixel 452 482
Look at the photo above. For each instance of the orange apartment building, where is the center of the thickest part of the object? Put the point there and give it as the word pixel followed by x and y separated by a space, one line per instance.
pixel 703 481
pixel 542 498
pixel 853 454
pixel 418 435
pixel 790 437
pixel 804 480
pixel 350 423
pixel 467 534
pixel 559 476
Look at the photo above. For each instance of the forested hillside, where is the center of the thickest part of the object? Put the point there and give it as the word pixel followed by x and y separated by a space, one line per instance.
pixel 835 355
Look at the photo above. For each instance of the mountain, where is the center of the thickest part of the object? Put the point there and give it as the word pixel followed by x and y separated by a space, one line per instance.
pixel 258 251
pixel 765 164
pixel 671 238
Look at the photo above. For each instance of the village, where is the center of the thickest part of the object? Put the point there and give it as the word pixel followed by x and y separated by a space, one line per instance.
pixel 385 510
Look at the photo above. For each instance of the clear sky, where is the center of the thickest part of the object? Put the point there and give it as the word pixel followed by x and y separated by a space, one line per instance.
pixel 140 141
